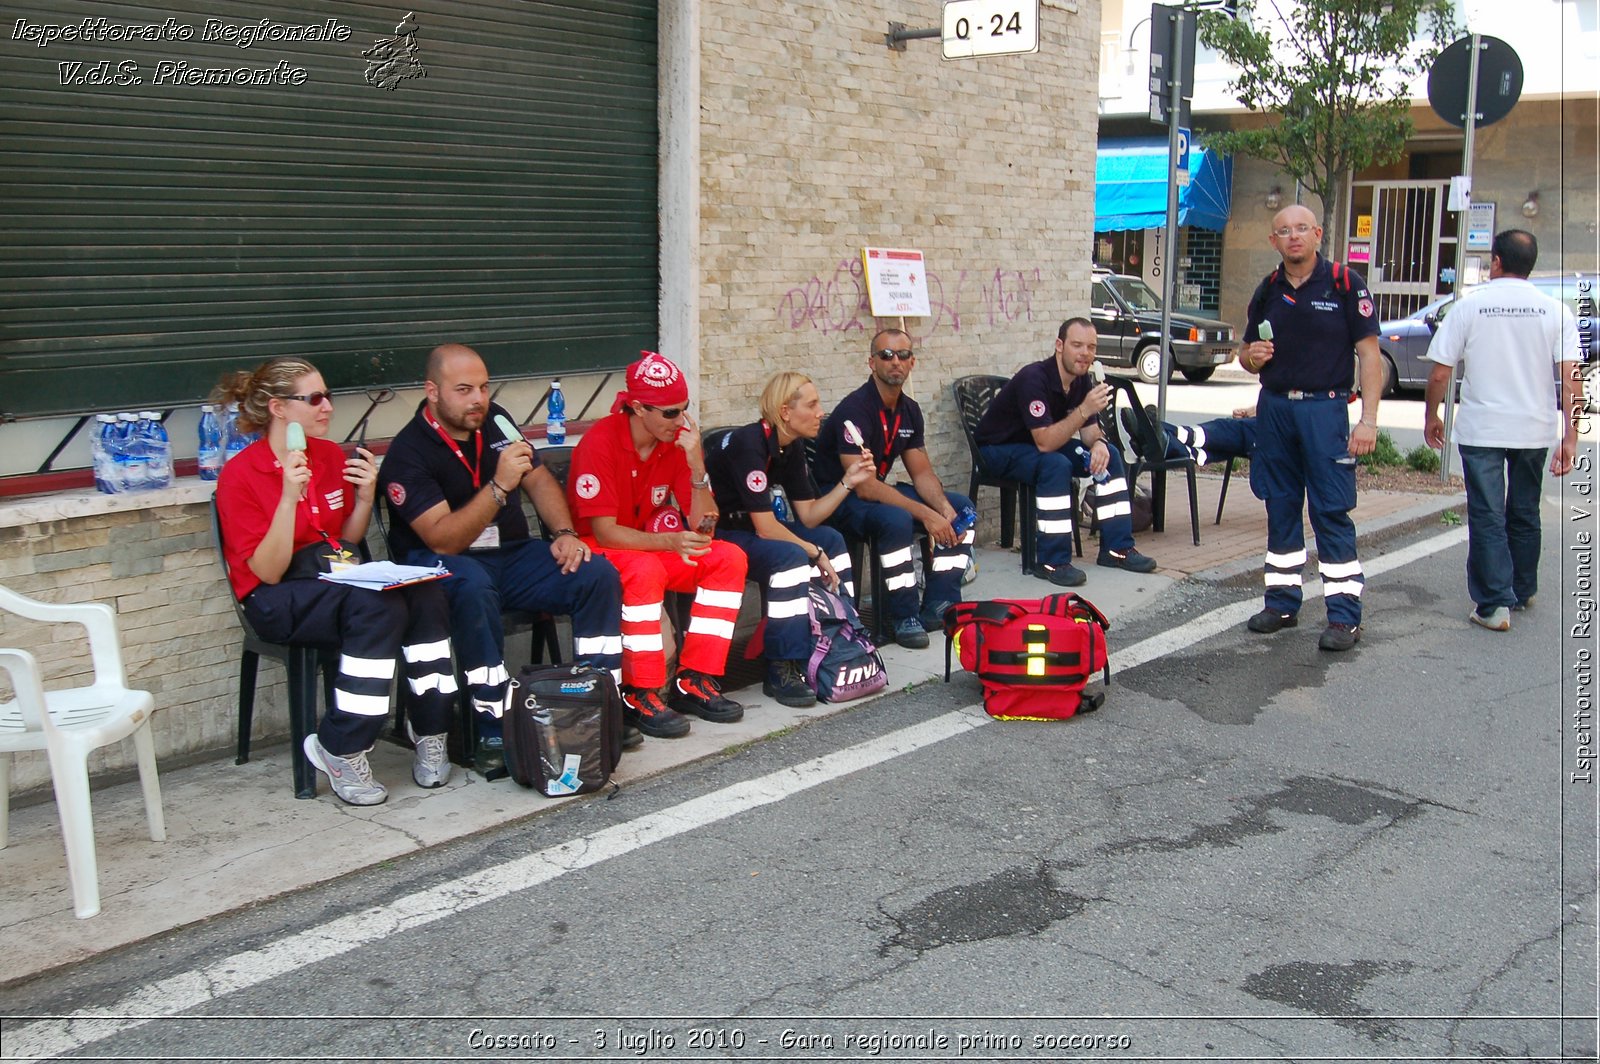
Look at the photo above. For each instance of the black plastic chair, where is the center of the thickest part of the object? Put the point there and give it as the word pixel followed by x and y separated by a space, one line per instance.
pixel 973 396
pixel 1149 453
pixel 300 660
pixel 1222 499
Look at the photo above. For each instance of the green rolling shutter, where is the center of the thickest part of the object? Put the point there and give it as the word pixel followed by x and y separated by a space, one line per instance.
pixel 160 233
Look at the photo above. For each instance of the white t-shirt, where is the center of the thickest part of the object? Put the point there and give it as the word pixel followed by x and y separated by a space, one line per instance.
pixel 1508 337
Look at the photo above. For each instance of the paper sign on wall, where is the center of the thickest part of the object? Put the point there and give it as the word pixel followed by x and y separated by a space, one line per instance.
pixel 897 283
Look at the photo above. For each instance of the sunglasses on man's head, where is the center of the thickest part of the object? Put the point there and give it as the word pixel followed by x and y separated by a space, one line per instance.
pixel 889 355
pixel 668 412
pixel 314 399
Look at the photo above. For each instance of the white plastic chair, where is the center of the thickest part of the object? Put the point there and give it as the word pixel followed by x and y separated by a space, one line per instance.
pixel 69 725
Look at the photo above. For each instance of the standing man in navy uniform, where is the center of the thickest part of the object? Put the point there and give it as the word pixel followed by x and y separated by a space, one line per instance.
pixel 1044 428
pixel 1305 448
pixel 891 425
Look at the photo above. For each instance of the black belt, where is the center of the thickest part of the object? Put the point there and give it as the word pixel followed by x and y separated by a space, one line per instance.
pixel 1297 394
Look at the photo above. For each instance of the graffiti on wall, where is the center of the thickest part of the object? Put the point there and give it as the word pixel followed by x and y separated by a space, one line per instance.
pixel 838 304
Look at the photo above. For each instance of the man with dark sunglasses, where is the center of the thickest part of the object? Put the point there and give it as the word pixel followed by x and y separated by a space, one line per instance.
pixel 888 425
pixel 451 479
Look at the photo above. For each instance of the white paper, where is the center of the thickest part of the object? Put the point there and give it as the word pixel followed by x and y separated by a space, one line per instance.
pixel 379 575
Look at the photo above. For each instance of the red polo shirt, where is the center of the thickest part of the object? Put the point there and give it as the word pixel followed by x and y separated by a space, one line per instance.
pixel 609 479
pixel 248 492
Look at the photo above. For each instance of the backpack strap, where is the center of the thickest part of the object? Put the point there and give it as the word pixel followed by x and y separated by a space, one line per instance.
pixel 1070 605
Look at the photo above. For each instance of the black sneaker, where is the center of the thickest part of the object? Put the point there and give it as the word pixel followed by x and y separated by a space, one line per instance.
pixel 909 633
pixel 786 682
pixel 1129 559
pixel 699 694
pixel 932 616
pixel 1339 637
pixel 1067 575
pixel 632 738
pixel 1268 621
pixel 643 708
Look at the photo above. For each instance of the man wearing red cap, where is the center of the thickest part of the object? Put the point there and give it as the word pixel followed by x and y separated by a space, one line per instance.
pixel 630 480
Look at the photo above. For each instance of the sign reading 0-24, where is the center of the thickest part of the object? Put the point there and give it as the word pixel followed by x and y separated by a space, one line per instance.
pixel 990 27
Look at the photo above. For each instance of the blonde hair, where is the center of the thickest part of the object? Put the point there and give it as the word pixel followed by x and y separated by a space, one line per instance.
pixel 253 391
pixel 781 390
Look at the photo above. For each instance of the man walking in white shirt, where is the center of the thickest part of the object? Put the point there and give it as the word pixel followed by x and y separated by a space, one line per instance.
pixel 1510 339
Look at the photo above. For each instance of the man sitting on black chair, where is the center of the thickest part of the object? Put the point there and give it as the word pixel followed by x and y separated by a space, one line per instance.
pixel 1043 428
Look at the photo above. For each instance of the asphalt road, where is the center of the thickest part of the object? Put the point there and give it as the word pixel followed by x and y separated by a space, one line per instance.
pixel 1254 851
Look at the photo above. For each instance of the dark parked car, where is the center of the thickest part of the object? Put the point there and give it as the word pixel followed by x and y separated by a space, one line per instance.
pixel 1404 341
pixel 1127 319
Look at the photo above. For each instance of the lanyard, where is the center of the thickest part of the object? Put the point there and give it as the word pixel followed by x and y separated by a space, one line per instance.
pixel 450 442
pixel 890 435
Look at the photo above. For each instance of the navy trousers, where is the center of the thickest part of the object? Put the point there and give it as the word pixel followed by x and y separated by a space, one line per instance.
pixel 785 570
pixel 1302 462
pixel 524 576
pixel 1051 474
pixel 894 530
pixel 371 629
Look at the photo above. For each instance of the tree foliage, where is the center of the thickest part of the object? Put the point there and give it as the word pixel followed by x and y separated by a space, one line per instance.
pixel 1335 76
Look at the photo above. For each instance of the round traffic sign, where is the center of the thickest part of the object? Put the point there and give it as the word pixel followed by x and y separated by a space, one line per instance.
pixel 1499 80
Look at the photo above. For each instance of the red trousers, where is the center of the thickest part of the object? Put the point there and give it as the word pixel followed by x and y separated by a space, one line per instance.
pixel 717 580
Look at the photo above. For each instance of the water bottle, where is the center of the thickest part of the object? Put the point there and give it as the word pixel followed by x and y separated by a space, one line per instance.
pixel 235 440
pixel 130 453
pixel 158 449
pixel 780 504
pixel 555 420
pixel 966 520
pixel 105 426
pixel 210 443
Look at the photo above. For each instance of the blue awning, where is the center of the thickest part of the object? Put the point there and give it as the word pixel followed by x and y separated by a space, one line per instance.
pixel 1130 186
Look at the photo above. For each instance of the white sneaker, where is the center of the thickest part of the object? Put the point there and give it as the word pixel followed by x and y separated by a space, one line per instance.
pixel 431 768
pixel 350 777
pixel 1496 620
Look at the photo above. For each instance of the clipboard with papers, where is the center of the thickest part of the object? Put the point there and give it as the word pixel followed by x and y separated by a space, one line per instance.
pixel 384 576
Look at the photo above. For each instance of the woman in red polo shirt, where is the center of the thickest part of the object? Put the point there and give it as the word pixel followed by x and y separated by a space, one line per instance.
pixel 273 502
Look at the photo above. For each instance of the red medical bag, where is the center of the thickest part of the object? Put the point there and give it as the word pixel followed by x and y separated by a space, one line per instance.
pixel 1033 656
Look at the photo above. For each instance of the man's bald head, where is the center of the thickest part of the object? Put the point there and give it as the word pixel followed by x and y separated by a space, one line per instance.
pixel 1296 236
pixel 1294 214
pixel 444 357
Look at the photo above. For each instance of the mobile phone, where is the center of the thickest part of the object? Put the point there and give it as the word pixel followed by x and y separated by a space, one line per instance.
pixel 1344 459
pixel 708 525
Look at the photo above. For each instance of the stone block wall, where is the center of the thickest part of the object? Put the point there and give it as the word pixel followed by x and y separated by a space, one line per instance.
pixel 151 559
pixel 817 140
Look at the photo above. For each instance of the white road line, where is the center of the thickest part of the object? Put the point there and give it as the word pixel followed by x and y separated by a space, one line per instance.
pixel 45 1039
pixel 48 1038
pixel 1220 620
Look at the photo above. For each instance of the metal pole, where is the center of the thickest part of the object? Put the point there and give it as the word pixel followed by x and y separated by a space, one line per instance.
pixel 1174 119
pixel 1462 220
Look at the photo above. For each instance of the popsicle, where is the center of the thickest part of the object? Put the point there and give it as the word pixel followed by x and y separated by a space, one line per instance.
pixel 507 429
pixel 853 434
pixel 294 437
pixel 1264 330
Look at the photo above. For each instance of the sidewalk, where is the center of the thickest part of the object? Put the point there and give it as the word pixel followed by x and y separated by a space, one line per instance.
pixel 236 835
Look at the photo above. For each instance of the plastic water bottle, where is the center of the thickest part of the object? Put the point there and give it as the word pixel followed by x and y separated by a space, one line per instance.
pixel 130 453
pixel 966 520
pixel 555 420
pixel 105 426
pixel 157 449
pixel 234 440
pixel 780 504
pixel 210 443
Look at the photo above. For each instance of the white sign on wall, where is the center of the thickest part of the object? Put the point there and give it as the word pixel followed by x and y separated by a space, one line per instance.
pixel 990 27
pixel 897 283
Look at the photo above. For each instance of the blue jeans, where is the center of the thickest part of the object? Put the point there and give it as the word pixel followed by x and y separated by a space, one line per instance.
pixel 1502 523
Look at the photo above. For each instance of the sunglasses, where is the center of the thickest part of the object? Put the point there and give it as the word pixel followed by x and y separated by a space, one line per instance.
pixel 889 355
pixel 314 399
pixel 668 412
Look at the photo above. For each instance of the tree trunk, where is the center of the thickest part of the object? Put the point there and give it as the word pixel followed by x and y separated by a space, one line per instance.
pixel 1335 222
